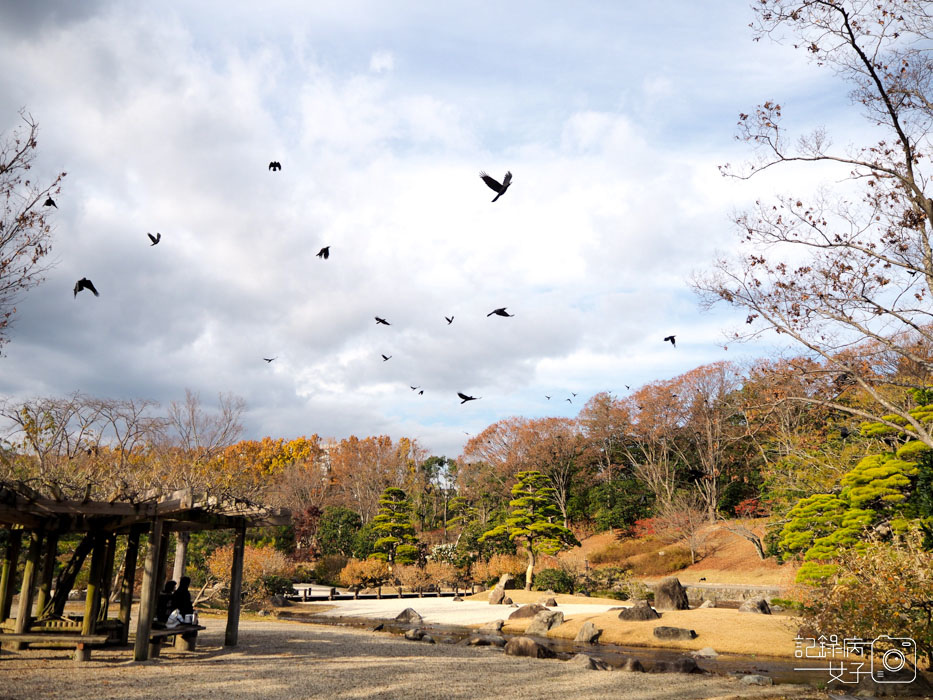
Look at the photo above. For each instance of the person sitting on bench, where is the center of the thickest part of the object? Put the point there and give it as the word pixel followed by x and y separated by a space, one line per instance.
pixel 181 598
pixel 164 603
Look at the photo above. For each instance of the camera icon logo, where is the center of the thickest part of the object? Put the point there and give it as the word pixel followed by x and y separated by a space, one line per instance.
pixel 897 654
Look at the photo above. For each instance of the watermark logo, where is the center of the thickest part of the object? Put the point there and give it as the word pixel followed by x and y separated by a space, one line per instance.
pixel 885 659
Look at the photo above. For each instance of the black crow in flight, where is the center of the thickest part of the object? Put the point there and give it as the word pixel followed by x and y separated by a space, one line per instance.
pixel 421 393
pixel 449 319
pixel 50 203
pixel 382 321
pixel 268 359
pixel 324 252
pixel 155 239
pixel 386 358
pixel 495 186
pixel 275 165
pixel 568 400
pixel 467 398
pixel 547 397
pixel 85 283
pixel 670 338
pixel 500 312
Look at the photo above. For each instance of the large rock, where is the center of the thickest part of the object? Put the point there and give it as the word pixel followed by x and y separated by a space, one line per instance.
pixel 548 602
pixel 494 626
pixel 755 679
pixel 496 596
pixel 545 620
pixel 755 605
pixel 632 665
pixel 682 665
pixel 670 595
pixel 706 653
pixel 408 616
pixel 663 632
pixel 588 663
pixel 428 639
pixel 481 640
pixel 708 604
pixel 640 611
pixel 526 611
pixel 588 634
pixel 279 601
pixel 522 646
pixel 414 634
pixel 508 601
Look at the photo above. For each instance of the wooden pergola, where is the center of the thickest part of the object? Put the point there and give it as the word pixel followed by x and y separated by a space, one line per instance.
pixel 37 523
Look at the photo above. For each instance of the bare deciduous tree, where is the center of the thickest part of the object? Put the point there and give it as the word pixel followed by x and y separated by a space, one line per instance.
pixel 25 228
pixel 850 281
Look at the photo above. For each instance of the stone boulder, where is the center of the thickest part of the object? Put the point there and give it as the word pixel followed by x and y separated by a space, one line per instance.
pixel 669 594
pixel 708 604
pixel 588 663
pixel 588 634
pixel 75 594
pixel 548 602
pixel 755 605
pixel 755 679
pixel 279 600
pixel 458 599
pixel 640 611
pixel 414 634
pixel 428 639
pixel 544 621
pixel 663 632
pixel 508 601
pixel 496 596
pixel 522 646
pixel 682 665
pixel 408 616
pixel 631 665
pixel 494 626
pixel 706 653
pixel 526 611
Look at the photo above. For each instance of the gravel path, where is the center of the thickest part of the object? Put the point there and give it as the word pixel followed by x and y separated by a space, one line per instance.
pixel 278 660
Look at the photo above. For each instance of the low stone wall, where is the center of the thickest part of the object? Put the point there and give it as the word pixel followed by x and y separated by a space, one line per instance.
pixel 698 592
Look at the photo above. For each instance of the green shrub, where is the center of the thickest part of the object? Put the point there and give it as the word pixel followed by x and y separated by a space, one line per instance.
pixel 327 569
pixel 665 561
pixel 614 595
pixel 554 580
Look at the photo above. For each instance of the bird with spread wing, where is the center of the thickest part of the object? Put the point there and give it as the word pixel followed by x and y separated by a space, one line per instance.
pixel 494 185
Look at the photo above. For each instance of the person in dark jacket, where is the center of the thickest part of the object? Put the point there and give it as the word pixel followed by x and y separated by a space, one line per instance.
pixel 181 598
pixel 164 603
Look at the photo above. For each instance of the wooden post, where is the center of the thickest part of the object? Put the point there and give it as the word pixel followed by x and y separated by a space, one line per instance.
pixel 8 577
pixel 147 598
pixel 107 577
pixel 128 583
pixel 236 588
pixel 181 554
pixel 44 597
pixel 163 555
pixel 94 584
pixel 24 611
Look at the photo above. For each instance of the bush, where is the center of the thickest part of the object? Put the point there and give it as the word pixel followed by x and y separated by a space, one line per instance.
pixel 666 561
pixel 553 579
pixel 366 573
pixel 882 590
pixel 327 569
pixel 260 565
pixel 617 553
pixel 615 580
pixel 413 577
pixel 488 572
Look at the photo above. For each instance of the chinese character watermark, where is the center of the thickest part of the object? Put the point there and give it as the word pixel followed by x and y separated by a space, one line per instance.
pixel 853 658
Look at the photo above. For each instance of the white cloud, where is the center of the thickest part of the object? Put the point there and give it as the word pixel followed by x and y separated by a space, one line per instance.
pixel 382 62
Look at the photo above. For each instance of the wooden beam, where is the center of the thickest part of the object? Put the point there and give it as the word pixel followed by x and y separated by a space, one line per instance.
pixel 128 582
pixel 236 588
pixel 50 554
pixel 147 599
pixel 94 584
pixel 8 576
pixel 163 557
pixel 24 611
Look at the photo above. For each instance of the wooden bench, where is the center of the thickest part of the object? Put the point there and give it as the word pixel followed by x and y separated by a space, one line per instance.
pixel 186 638
pixel 81 642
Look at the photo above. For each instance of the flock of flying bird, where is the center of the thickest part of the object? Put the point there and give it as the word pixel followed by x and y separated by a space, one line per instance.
pixel 324 254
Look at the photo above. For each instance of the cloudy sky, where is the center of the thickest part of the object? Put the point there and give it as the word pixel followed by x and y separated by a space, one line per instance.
pixel 612 117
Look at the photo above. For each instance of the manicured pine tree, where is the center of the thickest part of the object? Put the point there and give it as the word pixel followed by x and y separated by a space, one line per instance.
pixel 397 539
pixel 534 520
